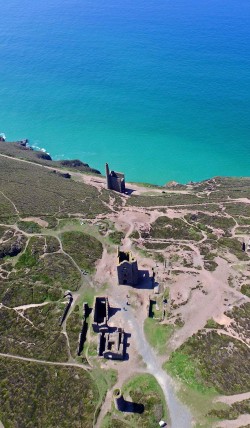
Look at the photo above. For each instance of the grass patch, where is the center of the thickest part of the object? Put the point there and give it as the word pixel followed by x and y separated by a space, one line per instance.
pixel 134 235
pixel 144 389
pixel 157 334
pixel 51 244
pixel 184 368
pixel 241 319
pixel 38 276
pixel 212 324
pixel 27 260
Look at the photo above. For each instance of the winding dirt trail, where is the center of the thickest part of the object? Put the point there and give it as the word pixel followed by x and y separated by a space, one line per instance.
pixel 50 363
pixel 12 203
pixel 230 399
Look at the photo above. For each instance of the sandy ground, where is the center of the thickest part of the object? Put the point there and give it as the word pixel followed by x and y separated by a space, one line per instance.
pixel 199 294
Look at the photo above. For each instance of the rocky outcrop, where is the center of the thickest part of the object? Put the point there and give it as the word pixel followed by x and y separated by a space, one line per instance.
pixel 62 174
pixel 77 164
pixel 13 246
pixel 43 155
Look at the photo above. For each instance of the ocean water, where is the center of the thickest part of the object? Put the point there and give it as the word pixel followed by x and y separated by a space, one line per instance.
pixel 158 88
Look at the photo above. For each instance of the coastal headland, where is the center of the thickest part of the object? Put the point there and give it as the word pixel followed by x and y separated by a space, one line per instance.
pixel 185 322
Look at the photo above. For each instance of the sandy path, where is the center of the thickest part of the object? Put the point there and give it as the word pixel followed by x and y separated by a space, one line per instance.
pixel 230 399
pixel 50 363
pixel 241 422
pixel 32 305
pixel 12 203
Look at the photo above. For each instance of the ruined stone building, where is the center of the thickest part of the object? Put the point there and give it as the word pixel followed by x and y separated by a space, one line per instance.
pixel 101 314
pixel 111 345
pixel 115 180
pixel 127 269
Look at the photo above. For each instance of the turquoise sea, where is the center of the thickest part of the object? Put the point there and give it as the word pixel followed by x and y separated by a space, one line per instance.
pixel 158 88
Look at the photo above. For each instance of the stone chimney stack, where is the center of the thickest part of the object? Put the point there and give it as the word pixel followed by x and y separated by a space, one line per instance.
pixel 107 176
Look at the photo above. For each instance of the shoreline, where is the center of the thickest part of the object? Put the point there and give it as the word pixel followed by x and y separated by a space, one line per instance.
pixel 42 156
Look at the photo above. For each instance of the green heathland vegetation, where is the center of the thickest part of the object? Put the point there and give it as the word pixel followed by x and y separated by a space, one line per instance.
pixel 39 395
pixel 18 151
pixel 84 249
pixel 241 319
pixel 48 193
pixel 38 276
pixel 167 199
pixel 48 236
pixel 74 327
pixel 29 226
pixel 116 237
pixel 245 289
pixel 212 221
pixel 34 333
pixel 233 411
pixel 166 228
pixel 209 360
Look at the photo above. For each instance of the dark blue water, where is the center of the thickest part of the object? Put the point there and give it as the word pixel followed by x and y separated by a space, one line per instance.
pixel 160 89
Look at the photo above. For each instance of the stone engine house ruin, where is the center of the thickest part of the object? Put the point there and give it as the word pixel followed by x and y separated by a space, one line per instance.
pixel 127 268
pixel 115 180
